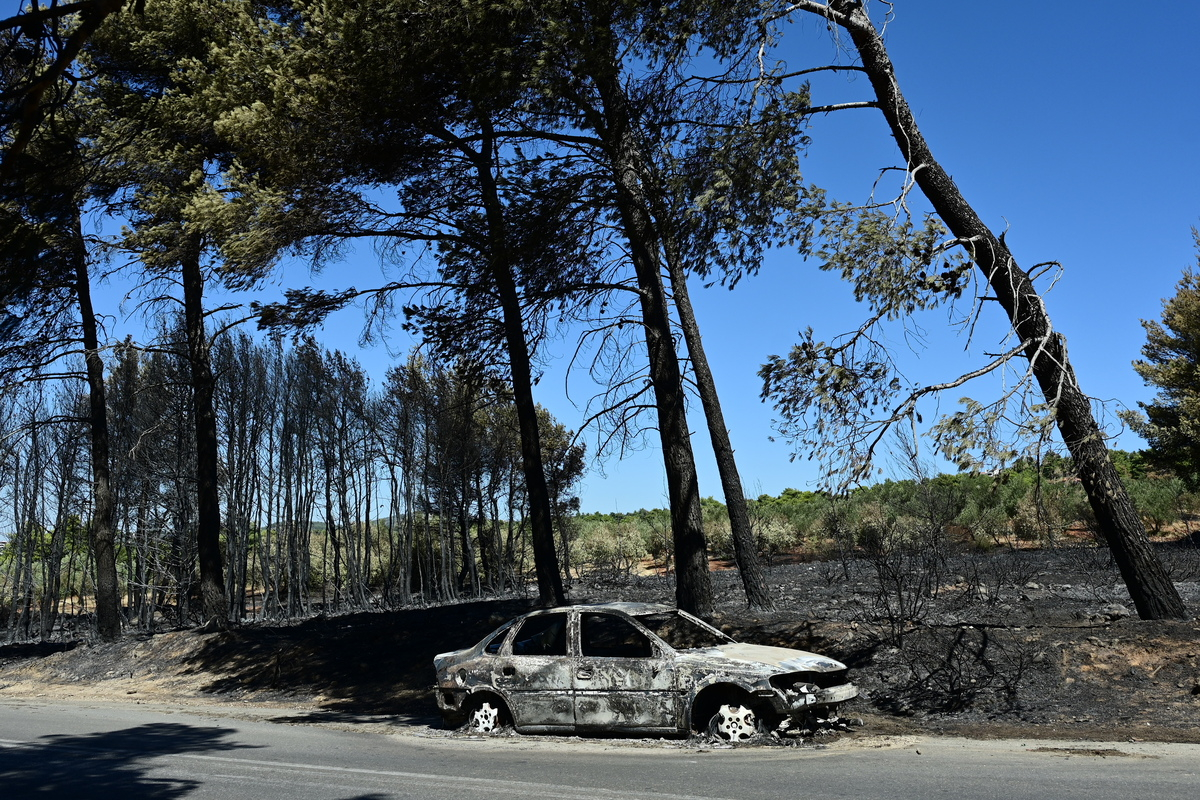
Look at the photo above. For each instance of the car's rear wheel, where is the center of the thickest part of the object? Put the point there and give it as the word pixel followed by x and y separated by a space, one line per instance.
pixel 487 715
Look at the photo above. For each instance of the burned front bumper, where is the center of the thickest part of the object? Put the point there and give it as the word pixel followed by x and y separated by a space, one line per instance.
pixel 804 699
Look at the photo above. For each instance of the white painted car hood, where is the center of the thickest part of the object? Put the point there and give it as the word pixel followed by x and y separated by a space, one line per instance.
pixel 774 659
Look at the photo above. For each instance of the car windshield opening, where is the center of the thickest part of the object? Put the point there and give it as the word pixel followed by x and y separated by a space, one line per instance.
pixel 680 632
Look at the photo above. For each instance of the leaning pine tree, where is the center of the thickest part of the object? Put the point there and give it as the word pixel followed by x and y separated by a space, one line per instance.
pixel 1149 585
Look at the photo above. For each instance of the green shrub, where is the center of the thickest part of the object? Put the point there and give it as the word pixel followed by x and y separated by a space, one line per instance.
pixel 774 536
pixel 1158 500
pixel 611 548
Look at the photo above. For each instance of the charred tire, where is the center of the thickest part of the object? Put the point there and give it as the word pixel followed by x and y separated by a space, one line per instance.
pixel 487 714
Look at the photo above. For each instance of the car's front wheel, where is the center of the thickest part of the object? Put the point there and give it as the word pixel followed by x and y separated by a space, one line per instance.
pixel 737 722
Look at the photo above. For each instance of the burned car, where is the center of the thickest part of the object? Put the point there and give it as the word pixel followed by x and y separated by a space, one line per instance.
pixel 632 667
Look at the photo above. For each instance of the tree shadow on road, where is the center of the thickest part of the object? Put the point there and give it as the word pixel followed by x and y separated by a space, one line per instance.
pixel 331 716
pixel 114 764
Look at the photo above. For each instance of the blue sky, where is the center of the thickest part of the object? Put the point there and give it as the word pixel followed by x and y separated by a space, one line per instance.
pixel 1072 124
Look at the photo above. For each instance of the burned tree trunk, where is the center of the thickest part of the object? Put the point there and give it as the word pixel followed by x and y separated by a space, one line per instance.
pixel 103 528
pixel 545 555
pixel 208 504
pixel 693 585
pixel 754 582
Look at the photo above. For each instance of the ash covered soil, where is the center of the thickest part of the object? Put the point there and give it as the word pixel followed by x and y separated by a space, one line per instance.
pixel 1010 644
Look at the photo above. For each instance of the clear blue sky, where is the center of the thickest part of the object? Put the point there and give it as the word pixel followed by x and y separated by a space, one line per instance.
pixel 1072 124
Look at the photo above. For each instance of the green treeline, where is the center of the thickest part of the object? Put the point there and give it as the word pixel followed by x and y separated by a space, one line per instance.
pixel 1041 505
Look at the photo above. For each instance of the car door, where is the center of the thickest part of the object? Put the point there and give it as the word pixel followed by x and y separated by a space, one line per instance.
pixel 534 672
pixel 622 677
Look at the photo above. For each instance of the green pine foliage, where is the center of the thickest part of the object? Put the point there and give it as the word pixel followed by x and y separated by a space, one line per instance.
pixel 1171 364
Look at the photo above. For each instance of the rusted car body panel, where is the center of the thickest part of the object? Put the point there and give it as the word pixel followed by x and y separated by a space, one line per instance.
pixel 605 668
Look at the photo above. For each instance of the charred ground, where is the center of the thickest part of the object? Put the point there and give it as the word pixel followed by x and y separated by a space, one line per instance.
pixel 1028 643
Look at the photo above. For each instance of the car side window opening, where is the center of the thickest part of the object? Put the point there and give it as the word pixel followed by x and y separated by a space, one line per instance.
pixel 543 635
pixel 493 647
pixel 609 636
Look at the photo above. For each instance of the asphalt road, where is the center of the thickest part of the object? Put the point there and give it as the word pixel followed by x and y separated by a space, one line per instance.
pixel 51 750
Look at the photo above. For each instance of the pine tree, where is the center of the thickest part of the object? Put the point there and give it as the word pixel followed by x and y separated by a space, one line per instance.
pixel 1171 363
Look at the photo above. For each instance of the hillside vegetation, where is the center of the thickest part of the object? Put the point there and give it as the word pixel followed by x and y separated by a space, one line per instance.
pixel 1030 505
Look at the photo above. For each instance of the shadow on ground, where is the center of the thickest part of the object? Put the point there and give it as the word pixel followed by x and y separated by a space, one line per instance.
pixel 359 664
pixel 20 652
pixel 116 764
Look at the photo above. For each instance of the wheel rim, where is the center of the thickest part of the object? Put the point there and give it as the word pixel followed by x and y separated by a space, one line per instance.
pixel 734 722
pixel 485 718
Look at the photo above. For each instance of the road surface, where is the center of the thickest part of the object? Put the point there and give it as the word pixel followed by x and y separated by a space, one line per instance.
pixel 126 751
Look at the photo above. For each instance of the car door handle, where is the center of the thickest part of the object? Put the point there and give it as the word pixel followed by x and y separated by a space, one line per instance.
pixel 510 670
pixel 584 674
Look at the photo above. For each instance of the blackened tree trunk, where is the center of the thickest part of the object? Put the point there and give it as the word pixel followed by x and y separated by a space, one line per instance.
pixel 754 582
pixel 693 583
pixel 208 504
pixel 1150 587
pixel 103 528
pixel 545 557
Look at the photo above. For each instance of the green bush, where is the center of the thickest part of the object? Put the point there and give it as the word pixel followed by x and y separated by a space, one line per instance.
pixel 1158 500
pixel 773 536
pixel 876 527
pixel 612 548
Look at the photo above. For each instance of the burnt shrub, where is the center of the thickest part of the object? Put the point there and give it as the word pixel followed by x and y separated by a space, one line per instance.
pixel 954 668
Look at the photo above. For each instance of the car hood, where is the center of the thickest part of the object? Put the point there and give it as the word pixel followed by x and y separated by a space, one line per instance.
pixel 772 659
